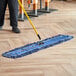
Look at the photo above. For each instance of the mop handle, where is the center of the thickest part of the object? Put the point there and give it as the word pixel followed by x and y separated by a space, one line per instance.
pixel 29 19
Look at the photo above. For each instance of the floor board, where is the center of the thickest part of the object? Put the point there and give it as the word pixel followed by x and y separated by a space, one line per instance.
pixel 59 60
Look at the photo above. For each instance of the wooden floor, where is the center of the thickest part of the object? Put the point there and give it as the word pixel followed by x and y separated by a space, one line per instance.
pixel 59 60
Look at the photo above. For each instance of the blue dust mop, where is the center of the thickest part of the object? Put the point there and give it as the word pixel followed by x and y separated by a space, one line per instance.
pixel 36 46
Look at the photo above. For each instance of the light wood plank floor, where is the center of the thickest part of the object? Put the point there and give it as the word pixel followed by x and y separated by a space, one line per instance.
pixel 59 60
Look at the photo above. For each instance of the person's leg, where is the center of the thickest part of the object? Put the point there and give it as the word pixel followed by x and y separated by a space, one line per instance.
pixel 13 8
pixel 3 4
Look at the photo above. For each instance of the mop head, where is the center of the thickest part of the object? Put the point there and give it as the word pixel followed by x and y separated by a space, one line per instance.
pixel 36 46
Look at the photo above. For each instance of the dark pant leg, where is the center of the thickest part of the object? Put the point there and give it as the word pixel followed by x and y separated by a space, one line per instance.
pixel 3 4
pixel 13 8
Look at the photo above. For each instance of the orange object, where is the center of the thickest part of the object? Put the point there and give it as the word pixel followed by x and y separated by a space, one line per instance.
pixel 29 2
pixel 20 9
pixel 47 3
pixel 35 4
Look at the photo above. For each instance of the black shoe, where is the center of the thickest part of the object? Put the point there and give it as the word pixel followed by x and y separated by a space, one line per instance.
pixel 16 30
